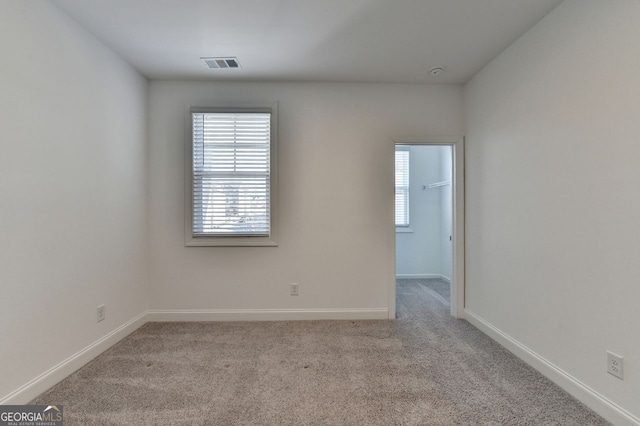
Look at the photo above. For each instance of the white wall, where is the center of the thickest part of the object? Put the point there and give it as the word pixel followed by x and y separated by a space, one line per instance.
pixel 420 252
pixel 553 206
pixel 335 194
pixel 72 190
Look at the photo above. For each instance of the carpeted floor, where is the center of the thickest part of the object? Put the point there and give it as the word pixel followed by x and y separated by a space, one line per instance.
pixel 426 368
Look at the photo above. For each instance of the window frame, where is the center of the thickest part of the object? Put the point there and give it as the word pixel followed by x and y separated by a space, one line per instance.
pixel 404 228
pixel 191 240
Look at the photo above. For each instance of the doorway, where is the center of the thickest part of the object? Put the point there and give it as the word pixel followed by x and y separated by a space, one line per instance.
pixel 428 219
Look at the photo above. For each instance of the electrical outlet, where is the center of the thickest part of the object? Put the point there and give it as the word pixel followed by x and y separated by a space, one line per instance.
pixel 101 313
pixel 614 365
pixel 294 289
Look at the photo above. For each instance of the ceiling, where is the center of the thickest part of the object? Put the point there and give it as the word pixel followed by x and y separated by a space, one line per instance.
pixel 310 40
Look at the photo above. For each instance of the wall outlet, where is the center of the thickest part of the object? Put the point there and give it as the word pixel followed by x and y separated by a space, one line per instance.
pixel 614 365
pixel 294 289
pixel 101 313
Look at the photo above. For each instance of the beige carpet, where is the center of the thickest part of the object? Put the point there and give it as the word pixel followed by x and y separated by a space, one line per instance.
pixel 426 368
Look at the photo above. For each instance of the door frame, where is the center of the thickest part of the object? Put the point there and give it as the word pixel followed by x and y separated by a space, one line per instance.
pixel 457 185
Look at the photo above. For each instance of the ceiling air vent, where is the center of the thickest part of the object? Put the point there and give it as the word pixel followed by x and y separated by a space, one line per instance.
pixel 217 63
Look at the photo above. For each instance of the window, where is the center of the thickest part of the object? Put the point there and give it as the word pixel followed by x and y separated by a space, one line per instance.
pixel 402 186
pixel 231 177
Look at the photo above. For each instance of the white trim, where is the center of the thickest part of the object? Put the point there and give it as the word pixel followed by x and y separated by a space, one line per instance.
pixel 588 396
pixel 421 276
pixel 159 315
pixel 55 374
pixel 457 250
pixel 403 230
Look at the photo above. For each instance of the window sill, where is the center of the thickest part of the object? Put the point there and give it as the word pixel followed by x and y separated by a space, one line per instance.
pixel 404 231
pixel 231 242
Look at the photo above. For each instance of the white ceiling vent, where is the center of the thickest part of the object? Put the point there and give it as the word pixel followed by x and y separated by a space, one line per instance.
pixel 216 63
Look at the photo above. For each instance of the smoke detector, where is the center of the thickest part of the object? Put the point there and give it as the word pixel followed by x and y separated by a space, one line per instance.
pixel 435 70
pixel 221 62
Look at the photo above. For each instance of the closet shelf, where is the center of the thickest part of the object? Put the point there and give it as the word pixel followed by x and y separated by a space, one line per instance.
pixel 437 184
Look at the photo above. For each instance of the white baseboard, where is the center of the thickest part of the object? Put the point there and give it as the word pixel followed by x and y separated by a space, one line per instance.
pixel 422 276
pixel 266 314
pixel 588 396
pixel 58 372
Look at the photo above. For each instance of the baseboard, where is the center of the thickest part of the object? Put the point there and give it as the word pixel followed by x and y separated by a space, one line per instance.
pixel 588 396
pixel 422 276
pixel 266 314
pixel 55 374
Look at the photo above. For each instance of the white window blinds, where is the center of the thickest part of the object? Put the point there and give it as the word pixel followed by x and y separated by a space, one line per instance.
pixel 231 174
pixel 402 188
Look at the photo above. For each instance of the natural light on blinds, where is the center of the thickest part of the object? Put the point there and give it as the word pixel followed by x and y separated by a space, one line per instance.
pixel 231 174
pixel 402 188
